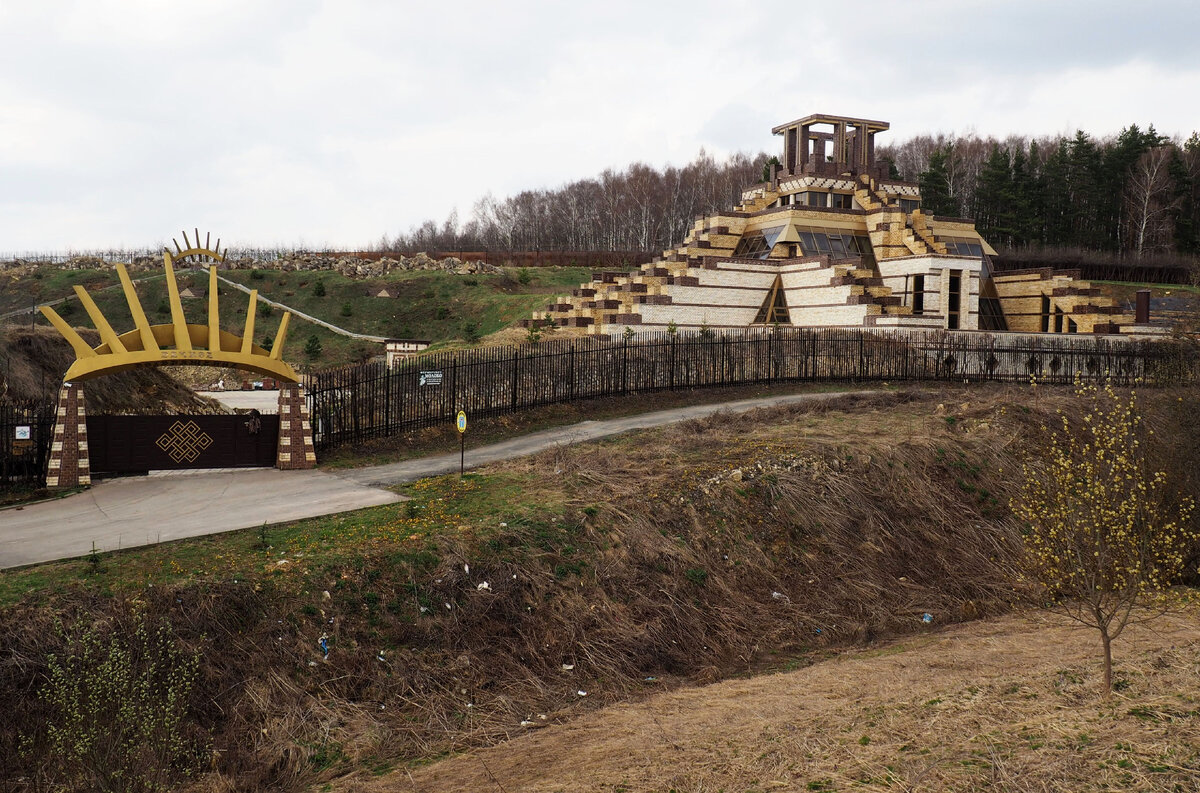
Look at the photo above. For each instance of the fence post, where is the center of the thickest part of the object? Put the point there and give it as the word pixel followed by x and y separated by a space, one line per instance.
pixel 456 403
pixel 672 381
pixel 516 366
pixel 571 361
pixel 770 356
pixel 625 366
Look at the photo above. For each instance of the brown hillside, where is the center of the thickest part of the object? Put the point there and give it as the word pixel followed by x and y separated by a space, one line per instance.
pixel 1008 704
pixel 34 360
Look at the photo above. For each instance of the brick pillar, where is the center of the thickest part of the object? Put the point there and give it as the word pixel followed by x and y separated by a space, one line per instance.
pixel 295 431
pixel 69 460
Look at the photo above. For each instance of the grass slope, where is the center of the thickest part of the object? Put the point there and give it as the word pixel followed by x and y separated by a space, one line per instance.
pixel 1005 704
pixel 432 305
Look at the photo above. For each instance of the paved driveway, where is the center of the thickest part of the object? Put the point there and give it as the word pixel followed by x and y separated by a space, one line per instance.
pixel 141 510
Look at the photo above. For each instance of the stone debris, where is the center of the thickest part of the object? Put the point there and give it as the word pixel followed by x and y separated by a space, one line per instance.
pixel 349 266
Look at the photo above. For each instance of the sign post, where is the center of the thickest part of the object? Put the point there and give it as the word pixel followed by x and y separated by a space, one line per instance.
pixel 460 422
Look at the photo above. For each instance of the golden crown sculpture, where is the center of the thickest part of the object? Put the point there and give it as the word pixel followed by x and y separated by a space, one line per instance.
pixel 177 342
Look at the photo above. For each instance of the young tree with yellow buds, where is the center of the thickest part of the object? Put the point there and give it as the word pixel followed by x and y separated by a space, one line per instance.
pixel 1103 531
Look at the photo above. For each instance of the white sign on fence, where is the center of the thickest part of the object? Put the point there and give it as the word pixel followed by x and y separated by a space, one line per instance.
pixel 430 378
pixel 21 433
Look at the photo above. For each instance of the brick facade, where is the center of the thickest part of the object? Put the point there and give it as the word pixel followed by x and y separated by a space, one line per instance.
pixel 296 450
pixel 852 248
pixel 69 460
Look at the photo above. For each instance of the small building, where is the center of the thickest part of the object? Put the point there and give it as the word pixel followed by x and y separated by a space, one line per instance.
pixel 830 240
pixel 399 349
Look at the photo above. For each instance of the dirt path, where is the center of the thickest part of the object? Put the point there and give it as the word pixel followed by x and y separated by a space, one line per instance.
pixel 1004 704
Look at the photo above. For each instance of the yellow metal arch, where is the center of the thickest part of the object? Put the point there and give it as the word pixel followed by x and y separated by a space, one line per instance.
pixel 177 342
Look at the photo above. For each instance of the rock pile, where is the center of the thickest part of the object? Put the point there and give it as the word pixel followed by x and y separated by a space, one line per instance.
pixel 349 266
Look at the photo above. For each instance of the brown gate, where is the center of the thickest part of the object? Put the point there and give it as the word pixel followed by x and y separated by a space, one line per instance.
pixel 132 444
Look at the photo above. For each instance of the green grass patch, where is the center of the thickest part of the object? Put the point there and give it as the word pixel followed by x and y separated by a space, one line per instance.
pixel 433 305
pixel 297 553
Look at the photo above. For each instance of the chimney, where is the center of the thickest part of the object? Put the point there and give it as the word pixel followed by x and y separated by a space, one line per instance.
pixel 1141 310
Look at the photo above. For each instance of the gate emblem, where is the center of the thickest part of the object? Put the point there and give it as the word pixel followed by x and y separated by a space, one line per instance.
pixel 184 441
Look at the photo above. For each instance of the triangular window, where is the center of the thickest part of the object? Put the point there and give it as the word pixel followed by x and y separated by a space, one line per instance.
pixel 774 308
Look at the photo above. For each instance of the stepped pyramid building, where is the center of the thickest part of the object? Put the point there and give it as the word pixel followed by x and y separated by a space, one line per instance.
pixel 831 241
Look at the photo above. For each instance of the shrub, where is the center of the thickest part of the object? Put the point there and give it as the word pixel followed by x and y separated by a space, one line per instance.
pixel 117 710
pixel 470 331
pixel 319 289
pixel 347 309
pixel 312 347
pixel 524 276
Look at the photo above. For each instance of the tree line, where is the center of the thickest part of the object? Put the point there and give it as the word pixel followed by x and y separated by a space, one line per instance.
pixel 640 208
pixel 1135 193
pixel 1132 194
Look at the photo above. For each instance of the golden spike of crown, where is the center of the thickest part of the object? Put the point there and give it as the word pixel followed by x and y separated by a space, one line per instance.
pixel 177 342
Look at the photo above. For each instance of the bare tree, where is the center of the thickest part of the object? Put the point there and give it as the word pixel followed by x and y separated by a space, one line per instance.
pixel 1149 204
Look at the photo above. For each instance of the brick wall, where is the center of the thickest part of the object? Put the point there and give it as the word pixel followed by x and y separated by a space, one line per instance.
pixel 70 464
pixel 295 430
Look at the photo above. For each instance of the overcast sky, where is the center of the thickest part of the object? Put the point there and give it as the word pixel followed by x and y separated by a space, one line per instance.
pixel 332 123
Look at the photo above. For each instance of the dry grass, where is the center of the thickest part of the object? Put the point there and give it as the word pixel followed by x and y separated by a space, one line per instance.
pixel 687 554
pixel 1008 704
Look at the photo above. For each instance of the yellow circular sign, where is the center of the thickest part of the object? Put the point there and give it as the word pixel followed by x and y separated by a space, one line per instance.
pixel 461 421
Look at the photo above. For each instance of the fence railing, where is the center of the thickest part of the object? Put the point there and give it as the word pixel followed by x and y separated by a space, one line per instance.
pixel 354 403
pixel 26 433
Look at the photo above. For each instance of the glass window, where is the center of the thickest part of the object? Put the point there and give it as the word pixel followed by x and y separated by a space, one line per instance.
pixel 772 234
pixel 822 243
pixel 807 243
pixel 836 245
pixel 751 245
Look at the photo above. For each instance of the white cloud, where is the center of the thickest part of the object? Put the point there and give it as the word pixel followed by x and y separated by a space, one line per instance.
pixel 336 122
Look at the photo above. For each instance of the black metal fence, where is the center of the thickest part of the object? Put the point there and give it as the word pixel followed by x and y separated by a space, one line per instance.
pixel 358 402
pixel 26 433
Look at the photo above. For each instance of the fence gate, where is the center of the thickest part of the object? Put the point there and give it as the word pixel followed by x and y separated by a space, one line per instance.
pixel 133 444
pixel 25 437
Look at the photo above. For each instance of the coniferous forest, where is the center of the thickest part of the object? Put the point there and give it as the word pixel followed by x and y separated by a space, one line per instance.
pixel 1132 195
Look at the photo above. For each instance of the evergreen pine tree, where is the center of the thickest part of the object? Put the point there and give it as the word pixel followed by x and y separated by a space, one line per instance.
pixel 1187 193
pixel 1021 218
pixel 1056 197
pixel 994 198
